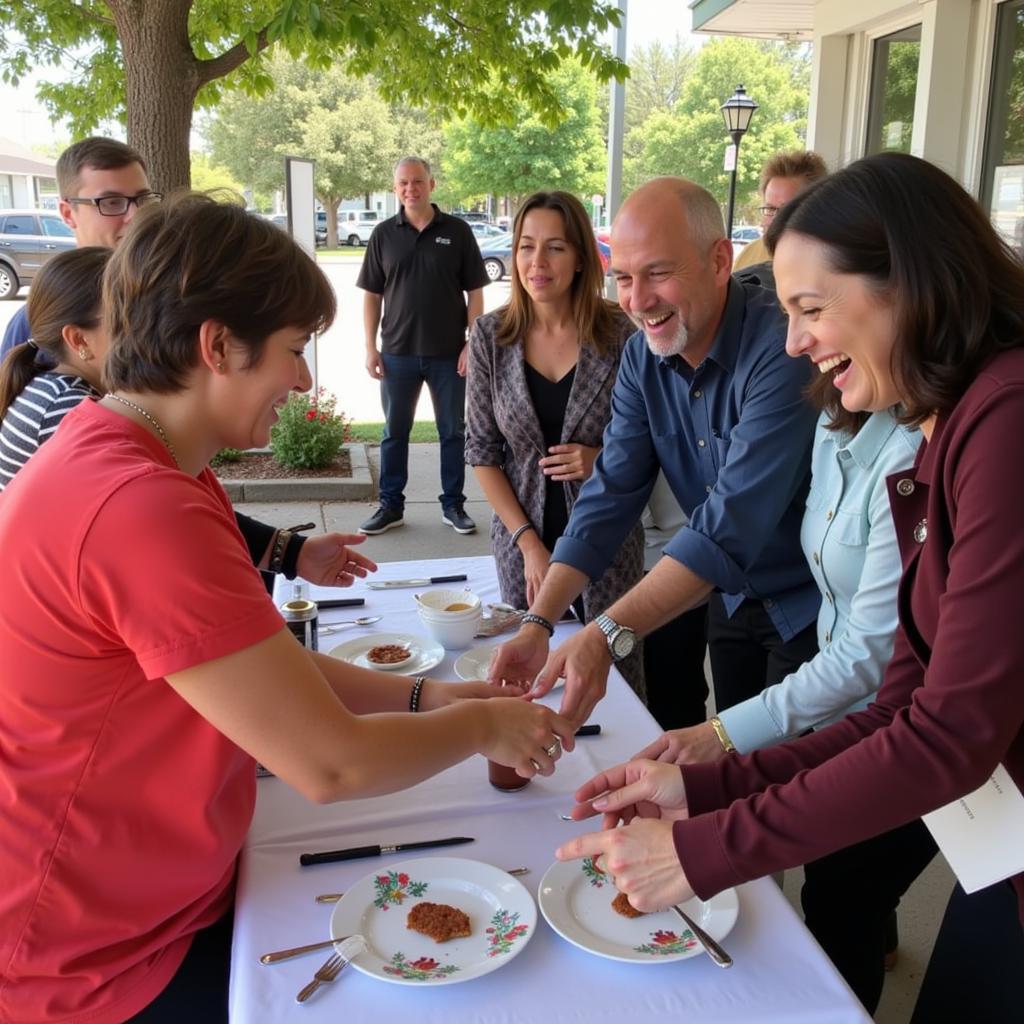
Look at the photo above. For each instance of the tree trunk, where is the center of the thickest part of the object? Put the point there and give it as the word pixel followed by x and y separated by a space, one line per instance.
pixel 162 78
pixel 330 205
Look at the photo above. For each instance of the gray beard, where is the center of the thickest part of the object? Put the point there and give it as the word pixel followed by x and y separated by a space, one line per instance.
pixel 674 348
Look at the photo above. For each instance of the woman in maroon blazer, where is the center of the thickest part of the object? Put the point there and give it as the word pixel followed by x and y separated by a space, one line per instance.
pixel 896 284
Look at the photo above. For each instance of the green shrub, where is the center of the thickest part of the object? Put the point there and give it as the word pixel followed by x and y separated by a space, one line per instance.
pixel 309 432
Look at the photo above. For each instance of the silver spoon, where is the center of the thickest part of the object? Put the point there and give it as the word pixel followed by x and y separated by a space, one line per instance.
pixel 366 620
pixel 719 957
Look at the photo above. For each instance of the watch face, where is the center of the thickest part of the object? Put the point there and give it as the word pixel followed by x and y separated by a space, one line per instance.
pixel 624 643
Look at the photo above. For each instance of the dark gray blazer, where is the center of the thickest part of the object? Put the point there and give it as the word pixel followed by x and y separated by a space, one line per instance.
pixel 502 430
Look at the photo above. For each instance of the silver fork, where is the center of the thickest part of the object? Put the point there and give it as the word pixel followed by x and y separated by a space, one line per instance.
pixel 333 966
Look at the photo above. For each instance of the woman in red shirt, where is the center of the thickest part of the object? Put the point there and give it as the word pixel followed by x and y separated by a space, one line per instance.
pixel 896 284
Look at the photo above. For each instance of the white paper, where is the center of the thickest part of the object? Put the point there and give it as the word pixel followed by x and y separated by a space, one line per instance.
pixel 981 835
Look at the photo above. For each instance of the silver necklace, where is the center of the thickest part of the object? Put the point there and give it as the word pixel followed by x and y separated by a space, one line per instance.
pixel 152 419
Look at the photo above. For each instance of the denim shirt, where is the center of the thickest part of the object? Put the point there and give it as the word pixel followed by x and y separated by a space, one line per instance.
pixel 733 437
pixel 849 541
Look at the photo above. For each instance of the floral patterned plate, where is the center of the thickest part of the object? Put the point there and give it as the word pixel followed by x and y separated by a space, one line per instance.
pixel 576 900
pixel 502 916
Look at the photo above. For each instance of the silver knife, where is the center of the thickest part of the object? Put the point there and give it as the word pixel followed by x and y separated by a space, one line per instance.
pixel 422 581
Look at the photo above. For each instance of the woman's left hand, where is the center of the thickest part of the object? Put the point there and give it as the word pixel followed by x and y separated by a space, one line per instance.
pixel 569 461
pixel 328 560
pixel 438 695
pixel 641 860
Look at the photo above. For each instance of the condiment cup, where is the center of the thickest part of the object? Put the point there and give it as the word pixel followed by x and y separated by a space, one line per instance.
pixel 452 634
pixel 437 604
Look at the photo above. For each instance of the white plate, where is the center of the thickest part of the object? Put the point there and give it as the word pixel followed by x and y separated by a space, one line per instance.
pixel 476 662
pixel 502 915
pixel 576 899
pixel 427 653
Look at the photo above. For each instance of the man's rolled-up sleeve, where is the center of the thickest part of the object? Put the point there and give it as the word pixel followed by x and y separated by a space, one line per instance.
pixel 612 501
pixel 765 462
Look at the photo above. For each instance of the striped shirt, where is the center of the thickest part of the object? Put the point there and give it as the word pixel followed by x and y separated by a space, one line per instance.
pixel 35 414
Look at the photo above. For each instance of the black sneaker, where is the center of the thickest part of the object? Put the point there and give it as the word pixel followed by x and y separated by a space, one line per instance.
pixel 382 520
pixel 457 519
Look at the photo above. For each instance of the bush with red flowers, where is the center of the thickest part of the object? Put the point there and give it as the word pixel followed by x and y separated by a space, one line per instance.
pixel 309 432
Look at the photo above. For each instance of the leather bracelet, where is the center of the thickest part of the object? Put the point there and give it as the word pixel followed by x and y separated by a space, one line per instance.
pixel 723 737
pixel 276 563
pixel 290 560
pixel 540 621
pixel 522 529
pixel 414 696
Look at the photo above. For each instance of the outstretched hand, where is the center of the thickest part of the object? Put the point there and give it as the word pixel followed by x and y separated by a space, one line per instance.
pixel 636 789
pixel 329 561
pixel 698 744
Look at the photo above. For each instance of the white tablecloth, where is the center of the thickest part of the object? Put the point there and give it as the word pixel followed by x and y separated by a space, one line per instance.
pixel 780 974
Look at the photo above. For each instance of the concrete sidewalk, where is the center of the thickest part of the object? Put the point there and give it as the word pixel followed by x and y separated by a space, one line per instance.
pixel 422 536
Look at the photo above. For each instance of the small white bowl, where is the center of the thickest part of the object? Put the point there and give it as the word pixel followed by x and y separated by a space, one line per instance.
pixel 435 604
pixel 452 634
pixel 392 666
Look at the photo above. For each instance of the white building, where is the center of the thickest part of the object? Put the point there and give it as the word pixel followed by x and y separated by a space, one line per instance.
pixel 26 179
pixel 963 109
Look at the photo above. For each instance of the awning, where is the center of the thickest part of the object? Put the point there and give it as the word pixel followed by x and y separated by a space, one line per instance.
pixel 761 19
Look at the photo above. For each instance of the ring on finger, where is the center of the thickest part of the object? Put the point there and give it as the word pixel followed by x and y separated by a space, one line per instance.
pixel 553 749
pixel 535 765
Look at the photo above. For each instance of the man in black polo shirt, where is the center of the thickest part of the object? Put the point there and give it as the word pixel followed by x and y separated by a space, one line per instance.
pixel 424 269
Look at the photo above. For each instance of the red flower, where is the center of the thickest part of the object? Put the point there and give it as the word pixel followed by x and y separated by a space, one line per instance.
pixel 323 417
pixel 311 415
pixel 514 933
pixel 403 879
pixel 425 963
pixel 383 879
pixel 665 938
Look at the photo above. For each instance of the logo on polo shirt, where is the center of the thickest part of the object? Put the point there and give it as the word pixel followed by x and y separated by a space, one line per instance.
pixel 443 241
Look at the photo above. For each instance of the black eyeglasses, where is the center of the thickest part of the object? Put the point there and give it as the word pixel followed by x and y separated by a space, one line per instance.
pixel 117 206
pixel 769 211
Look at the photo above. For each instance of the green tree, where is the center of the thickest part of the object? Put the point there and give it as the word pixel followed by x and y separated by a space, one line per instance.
pixel 527 154
pixel 150 62
pixel 207 175
pixel 690 140
pixel 340 122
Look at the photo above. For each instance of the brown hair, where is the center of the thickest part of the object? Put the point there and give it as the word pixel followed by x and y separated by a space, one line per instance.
pixel 103 154
pixel 926 246
pixel 596 318
pixel 66 291
pixel 190 259
pixel 797 163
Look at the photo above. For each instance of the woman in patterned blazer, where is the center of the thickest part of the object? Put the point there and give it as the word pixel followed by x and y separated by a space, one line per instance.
pixel 541 371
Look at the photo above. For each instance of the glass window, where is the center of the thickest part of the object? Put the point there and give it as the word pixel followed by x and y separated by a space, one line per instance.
pixel 56 227
pixel 6 190
pixel 1002 191
pixel 894 65
pixel 19 225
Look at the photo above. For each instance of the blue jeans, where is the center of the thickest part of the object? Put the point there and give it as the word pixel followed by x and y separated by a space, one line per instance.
pixel 400 388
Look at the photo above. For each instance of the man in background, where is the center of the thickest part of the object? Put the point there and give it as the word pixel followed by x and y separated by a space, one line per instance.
pixel 424 280
pixel 783 177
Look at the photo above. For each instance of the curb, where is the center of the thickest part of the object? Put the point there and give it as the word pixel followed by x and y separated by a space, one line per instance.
pixel 357 487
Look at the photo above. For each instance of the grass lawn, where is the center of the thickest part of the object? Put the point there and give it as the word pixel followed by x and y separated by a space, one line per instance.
pixel 343 254
pixel 370 433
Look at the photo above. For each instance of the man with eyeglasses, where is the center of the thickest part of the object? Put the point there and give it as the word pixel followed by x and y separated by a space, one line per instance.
pixel 102 182
pixel 783 177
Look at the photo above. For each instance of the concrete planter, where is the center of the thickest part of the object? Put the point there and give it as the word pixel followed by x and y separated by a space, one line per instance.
pixel 357 487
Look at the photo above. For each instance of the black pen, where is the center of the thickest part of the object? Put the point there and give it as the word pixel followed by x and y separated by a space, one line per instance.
pixel 375 851
pixel 589 730
pixel 342 602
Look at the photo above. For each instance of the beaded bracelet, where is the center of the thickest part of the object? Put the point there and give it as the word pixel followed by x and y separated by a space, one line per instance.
pixel 522 529
pixel 414 697
pixel 540 621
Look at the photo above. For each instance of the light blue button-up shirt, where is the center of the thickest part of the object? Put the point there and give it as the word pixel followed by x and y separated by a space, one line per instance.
pixel 849 541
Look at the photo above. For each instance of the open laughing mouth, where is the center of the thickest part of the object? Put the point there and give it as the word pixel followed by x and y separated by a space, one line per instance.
pixel 839 363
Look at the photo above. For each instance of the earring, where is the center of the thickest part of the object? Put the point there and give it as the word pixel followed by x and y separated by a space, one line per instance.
pixel 220 367
pixel 83 353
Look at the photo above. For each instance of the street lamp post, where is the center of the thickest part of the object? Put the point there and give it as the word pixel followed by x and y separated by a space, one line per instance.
pixel 737 111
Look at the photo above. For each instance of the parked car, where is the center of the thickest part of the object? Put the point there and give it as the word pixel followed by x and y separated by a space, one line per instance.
pixel 473 216
pixel 319 231
pixel 28 238
pixel 355 232
pixel 497 255
pixel 372 216
pixel 486 231
pixel 742 236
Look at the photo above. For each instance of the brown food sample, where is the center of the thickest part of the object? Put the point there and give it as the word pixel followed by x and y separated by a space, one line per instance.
pixel 387 654
pixel 622 906
pixel 438 921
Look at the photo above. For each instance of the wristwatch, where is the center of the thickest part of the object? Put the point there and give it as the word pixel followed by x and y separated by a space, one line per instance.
pixel 621 639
